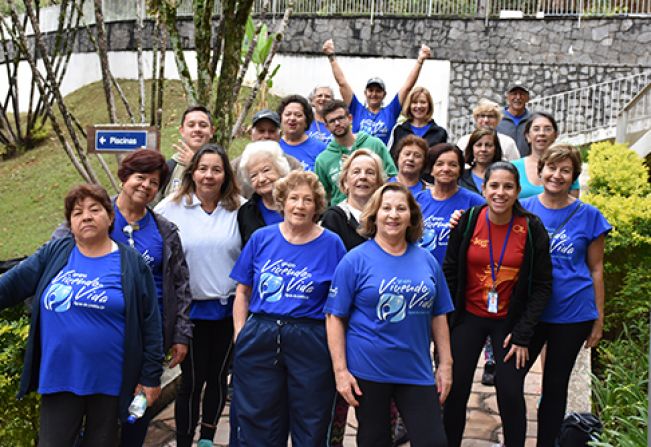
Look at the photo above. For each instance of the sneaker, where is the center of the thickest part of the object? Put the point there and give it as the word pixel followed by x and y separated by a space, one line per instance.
pixel 488 377
pixel 205 443
pixel 400 435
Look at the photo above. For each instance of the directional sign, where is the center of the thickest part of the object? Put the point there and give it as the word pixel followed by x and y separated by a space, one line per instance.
pixel 121 139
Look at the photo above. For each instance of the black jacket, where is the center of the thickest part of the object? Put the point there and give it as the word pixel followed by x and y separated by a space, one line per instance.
pixel 249 218
pixel 534 285
pixel 434 135
pixel 466 181
pixel 344 225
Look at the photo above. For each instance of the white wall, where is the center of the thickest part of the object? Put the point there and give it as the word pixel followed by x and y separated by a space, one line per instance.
pixel 297 74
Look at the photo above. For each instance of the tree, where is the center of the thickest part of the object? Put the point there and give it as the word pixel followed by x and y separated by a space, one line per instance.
pixel 223 43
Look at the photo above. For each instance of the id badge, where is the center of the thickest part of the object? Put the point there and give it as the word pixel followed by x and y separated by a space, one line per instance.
pixel 492 301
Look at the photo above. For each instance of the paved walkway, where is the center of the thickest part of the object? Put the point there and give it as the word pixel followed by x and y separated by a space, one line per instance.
pixel 483 428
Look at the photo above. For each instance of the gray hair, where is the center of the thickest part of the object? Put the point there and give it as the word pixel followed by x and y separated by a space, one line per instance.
pixel 267 148
pixel 312 94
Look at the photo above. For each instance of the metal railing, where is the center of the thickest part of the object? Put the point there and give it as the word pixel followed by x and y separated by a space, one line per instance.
pixel 635 117
pixel 116 10
pixel 584 115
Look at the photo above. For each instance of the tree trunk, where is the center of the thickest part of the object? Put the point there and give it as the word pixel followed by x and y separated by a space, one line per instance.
pixel 202 39
pixel 235 14
pixel 141 75
pixel 102 52
pixel 168 13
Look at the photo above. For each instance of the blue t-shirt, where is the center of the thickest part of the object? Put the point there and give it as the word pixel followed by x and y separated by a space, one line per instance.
pixel 572 299
pixel 415 189
pixel 526 188
pixel 149 243
pixel 306 152
pixel 389 302
pixel 420 131
pixel 288 279
pixel 320 132
pixel 82 327
pixel 436 218
pixel 270 217
pixel 478 181
pixel 376 124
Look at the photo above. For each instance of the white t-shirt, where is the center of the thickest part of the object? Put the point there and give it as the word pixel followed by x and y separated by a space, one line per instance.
pixel 211 245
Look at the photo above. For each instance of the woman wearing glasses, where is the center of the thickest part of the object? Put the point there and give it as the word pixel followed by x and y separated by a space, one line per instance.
pixel 205 210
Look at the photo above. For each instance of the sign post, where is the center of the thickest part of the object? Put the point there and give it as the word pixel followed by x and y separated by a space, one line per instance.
pixel 117 139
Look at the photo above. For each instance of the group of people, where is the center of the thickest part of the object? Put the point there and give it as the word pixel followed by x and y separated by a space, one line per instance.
pixel 344 259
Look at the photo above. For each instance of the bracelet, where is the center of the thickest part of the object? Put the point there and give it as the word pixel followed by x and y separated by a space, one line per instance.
pixel 331 57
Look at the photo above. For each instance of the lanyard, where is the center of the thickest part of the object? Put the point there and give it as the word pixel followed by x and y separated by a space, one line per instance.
pixel 494 272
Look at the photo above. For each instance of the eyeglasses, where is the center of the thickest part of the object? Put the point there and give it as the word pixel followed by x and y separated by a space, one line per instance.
pixel 337 119
pixel 128 232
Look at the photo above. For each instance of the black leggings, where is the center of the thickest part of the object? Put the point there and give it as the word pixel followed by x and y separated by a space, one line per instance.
pixel 207 362
pixel 418 406
pixel 467 341
pixel 64 414
pixel 563 345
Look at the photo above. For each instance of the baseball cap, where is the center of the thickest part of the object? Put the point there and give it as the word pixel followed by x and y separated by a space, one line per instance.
pixel 376 81
pixel 266 114
pixel 518 86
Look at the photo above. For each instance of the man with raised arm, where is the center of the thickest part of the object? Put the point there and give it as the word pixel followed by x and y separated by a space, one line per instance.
pixel 372 117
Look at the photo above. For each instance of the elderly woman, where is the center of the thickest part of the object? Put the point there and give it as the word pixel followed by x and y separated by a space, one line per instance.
pixel 361 175
pixel 387 302
pixel 498 270
pixel 488 114
pixel 418 110
pixel 282 373
pixel 483 149
pixel 95 311
pixel 575 313
pixel 205 211
pixel 261 164
pixel 445 164
pixel 410 159
pixel 540 131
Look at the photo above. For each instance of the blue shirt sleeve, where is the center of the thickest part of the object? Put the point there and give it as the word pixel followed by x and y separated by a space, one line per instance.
pixel 443 303
pixel 243 271
pixel 342 289
pixel 394 107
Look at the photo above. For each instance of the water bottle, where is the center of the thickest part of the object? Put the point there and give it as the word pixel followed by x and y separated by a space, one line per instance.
pixel 137 407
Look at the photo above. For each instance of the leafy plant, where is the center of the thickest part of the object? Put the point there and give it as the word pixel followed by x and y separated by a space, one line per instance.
pixel 18 418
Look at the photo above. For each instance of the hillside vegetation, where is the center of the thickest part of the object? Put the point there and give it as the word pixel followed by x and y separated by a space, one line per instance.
pixel 33 185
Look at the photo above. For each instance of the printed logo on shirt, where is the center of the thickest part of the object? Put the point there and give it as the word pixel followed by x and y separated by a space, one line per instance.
pixel 279 275
pixel 70 288
pixel 436 233
pixel 336 170
pixel 332 293
pixel 149 259
pixel 375 128
pixel 561 246
pixel 397 296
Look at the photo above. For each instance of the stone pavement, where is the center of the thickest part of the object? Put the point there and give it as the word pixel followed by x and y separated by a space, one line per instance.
pixel 483 428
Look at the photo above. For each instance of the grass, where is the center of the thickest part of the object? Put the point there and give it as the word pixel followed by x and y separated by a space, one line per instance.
pixel 32 186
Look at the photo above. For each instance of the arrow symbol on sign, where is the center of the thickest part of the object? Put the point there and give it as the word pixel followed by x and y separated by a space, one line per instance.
pixel 102 140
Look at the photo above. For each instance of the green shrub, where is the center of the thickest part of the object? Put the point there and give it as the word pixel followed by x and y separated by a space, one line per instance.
pixel 618 187
pixel 620 392
pixel 18 418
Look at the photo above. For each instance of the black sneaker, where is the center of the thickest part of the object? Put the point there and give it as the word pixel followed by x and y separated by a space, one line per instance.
pixel 488 377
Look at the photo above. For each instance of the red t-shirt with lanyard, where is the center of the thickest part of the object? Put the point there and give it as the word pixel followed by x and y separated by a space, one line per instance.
pixel 488 291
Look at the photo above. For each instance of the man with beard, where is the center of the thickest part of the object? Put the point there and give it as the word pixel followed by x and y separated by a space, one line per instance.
pixel 328 163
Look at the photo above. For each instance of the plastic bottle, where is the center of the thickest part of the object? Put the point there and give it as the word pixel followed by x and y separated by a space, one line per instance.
pixel 137 407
